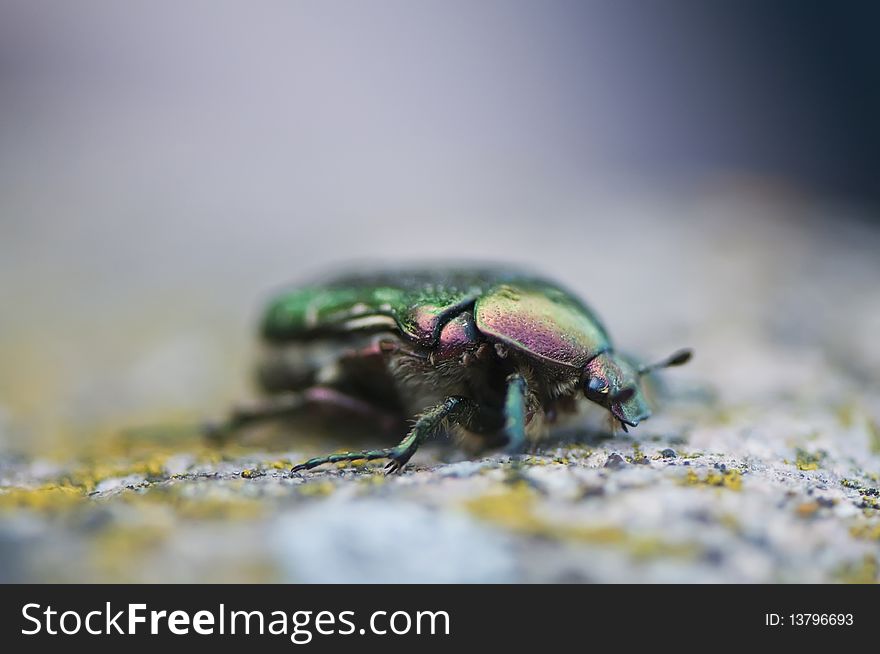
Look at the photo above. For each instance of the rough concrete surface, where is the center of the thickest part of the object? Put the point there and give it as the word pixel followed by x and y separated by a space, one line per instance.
pixel 761 464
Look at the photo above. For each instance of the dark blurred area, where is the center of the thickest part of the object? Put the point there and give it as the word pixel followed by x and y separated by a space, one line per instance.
pixel 787 88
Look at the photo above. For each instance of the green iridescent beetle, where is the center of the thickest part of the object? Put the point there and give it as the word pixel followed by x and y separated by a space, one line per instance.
pixel 492 352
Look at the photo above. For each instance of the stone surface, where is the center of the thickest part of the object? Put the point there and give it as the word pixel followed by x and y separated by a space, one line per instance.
pixel 752 496
pixel 761 463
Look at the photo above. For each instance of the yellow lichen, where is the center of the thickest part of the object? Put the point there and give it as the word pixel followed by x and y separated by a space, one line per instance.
pixel 87 475
pixel 218 509
pixel 207 504
pixel 730 479
pixel 873 436
pixel 808 460
pixel 45 498
pixel 730 521
pixel 866 571
pixel 373 480
pixel 118 553
pixel 514 509
pixel 846 414
pixel 869 531
pixel 637 456
pixel 871 503
pixel 316 488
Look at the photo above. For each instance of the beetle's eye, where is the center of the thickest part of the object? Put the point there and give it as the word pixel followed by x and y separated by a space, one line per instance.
pixel 597 385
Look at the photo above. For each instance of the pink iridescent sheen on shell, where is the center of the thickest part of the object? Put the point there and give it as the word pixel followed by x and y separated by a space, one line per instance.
pixel 421 323
pixel 458 336
pixel 552 328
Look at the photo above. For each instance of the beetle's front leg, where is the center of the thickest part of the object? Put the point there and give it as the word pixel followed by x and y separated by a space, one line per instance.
pixel 453 408
pixel 515 412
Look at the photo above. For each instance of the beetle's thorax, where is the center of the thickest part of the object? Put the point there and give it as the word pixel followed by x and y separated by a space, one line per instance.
pixel 477 369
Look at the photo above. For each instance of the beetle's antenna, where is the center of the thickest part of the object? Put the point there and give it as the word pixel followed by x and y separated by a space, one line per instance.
pixel 679 358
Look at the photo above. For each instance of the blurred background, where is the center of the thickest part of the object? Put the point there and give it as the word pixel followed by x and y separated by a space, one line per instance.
pixel 704 172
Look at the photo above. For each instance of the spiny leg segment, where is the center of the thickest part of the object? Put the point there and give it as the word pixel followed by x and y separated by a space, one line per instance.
pixel 453 408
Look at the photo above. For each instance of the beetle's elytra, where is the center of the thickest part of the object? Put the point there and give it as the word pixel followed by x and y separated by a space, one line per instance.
pixel 484 350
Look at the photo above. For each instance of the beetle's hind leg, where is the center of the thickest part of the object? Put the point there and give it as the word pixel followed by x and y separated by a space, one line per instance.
pixel 453 408
pixel 289 404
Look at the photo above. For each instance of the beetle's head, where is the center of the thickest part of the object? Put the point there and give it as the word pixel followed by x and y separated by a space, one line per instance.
pixel 614 382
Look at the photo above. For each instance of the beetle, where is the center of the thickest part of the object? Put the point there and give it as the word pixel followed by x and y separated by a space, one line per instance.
pixel 490 351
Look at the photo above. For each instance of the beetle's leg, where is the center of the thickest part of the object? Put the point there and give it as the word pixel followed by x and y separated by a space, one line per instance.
pixel 284 405
pixel 452 408
pixel 515 407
